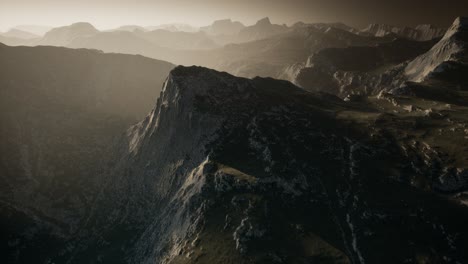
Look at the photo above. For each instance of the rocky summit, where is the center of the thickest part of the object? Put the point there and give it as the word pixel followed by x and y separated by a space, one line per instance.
pixel 233 170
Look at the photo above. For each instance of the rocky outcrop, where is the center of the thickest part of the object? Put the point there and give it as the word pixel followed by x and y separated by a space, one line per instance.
pixel 448 56
pixel 20 34
pixel 360 70
pixel 226 169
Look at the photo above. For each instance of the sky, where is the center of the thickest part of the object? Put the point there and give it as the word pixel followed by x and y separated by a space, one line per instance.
pixel 105 14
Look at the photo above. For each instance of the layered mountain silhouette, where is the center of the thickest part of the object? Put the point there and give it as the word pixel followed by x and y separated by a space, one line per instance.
pixel 34 29
pixel 62 109
pixel 19 34
pixel 262 49
pixel 223 27
pixel 119 158
pixel 64 36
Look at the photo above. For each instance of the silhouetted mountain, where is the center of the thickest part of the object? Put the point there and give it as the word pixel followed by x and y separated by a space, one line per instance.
pixel 325 26
pixel 20 34
pixel 35 29
pixel 449 55
pixel 130 28
pixel 271 56
pixel 117 41
pixel 223 27
pixel 263 49
pixel 13 41
pixel 261 30
pixel 174 27
pixel 63 36
pixel 61 111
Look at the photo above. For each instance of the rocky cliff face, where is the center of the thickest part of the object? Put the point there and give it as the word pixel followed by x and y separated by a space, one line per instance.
pixel 390 67
pixel 449 54
pixel 359 70
pixel 419 33
pixel 232 170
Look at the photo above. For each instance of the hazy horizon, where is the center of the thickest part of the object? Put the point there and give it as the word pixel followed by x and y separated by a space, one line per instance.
pixel 106 14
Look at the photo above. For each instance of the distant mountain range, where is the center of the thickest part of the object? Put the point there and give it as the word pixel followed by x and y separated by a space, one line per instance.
pixel 421 32
pixel 389 66
pixel 263 49
pixel 358 155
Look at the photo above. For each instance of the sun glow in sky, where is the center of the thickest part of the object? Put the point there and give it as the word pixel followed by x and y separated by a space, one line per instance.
pixel 106 14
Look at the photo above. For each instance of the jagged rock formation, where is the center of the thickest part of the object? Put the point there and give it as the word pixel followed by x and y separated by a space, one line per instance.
pixel 63 36
pixel 223 27
pixel 61 110
pixel 449 55
pixel 278 55
pixel 262 29
pixel 392 67
pixel 232 170
pixel 420 32
pixel 359 70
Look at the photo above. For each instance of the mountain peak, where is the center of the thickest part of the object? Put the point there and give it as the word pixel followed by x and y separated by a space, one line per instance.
pixel 460 24
pixel 83 25
pixel 197 78
pixel 223 27
pixel 450 50
pixel 264 21
pixel 222 21
pixel 461 21
pixel 63 36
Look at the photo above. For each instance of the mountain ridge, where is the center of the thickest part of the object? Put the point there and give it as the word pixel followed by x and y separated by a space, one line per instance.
pixel 452 48
pixel 233 198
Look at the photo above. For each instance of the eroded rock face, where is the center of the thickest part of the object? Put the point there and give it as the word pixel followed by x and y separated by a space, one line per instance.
pixel 232 170
pixel 390 67
pixel 364 70
pixel 449 54
pixel 420 33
